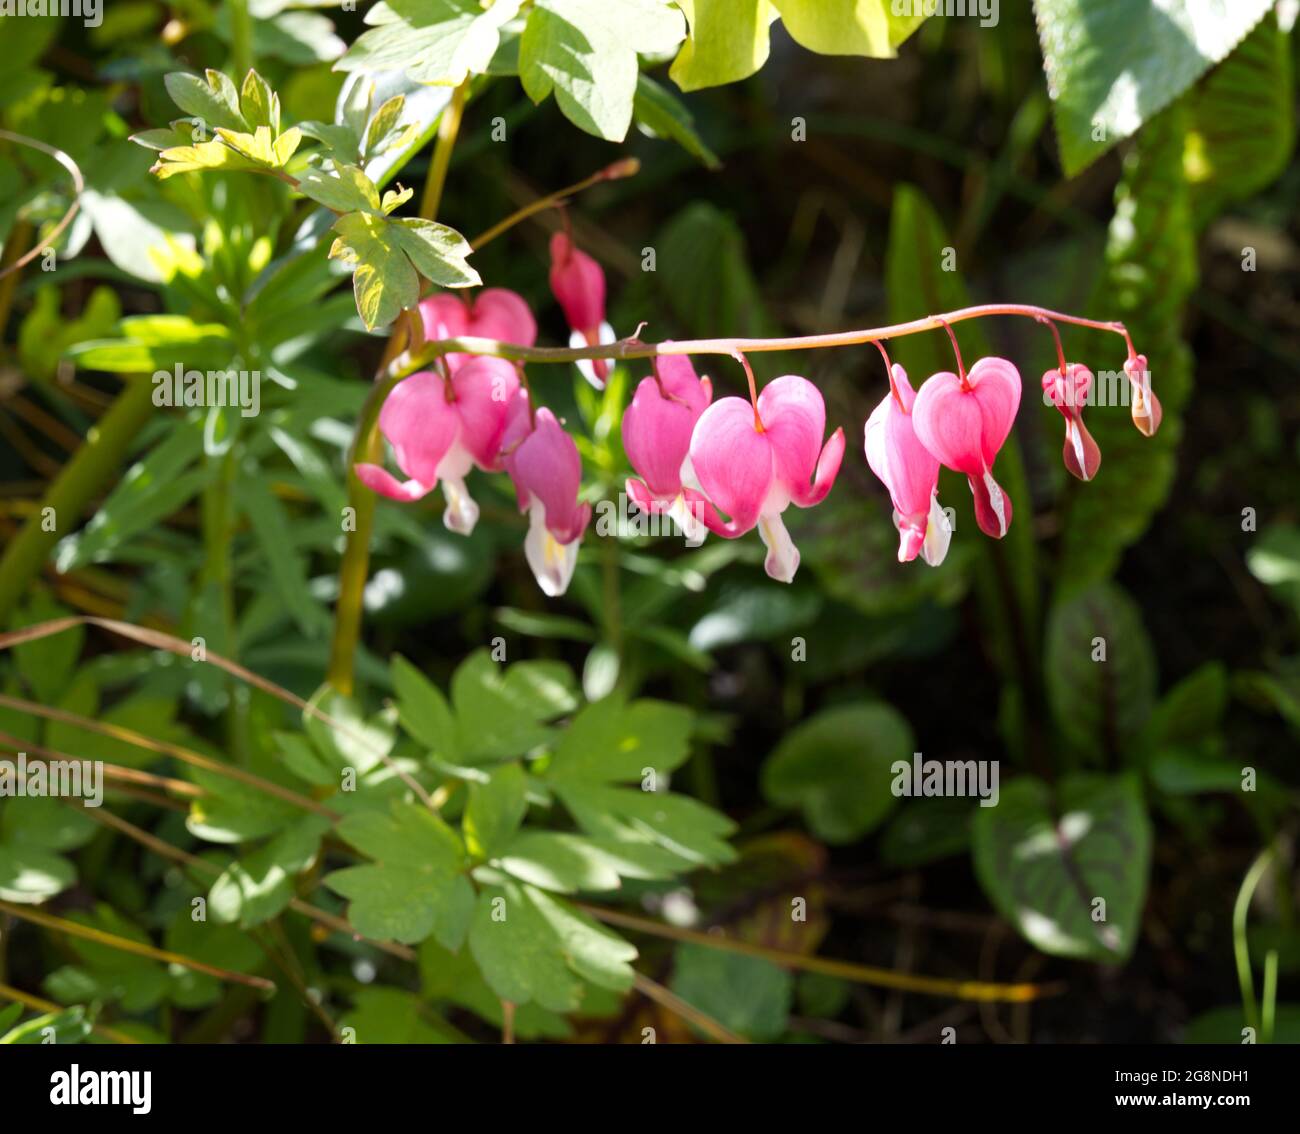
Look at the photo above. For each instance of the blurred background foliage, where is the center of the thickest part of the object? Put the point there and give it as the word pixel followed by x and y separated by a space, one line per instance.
pixel 820 193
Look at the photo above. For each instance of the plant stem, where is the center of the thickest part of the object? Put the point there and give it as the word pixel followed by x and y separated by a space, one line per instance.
pixel 1240 911
pixel 635 348
pixel 625 167
pixel 85 474
pixel 241 38
pixel 367 446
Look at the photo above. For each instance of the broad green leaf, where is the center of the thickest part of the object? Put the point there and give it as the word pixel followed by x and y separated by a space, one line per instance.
pixel 728 41
pixel 433 41
pixel 455 977
pixel 1100 671
pixel 746 994
pixel 555 860
pixel 1241 121
pixel 495 810
pixel 415 886
pixel 359 743
pixel 394 1016
pixel 662 113
pixel 681 826
pixel 1114 64
pixel 1068 867
pixel 1192 711
pixel 259 105
pixel 383 279
pixel 46 823
pixel 31 874
pixel 201 156
pixel 214 101
pixel 533 948
pixel 424 711
pixel 495 719
pixel 257 888
pixel 850 27
pixel 437 251
pixel 836 767
pixel 611 741
pixel 750 612
pixel 585 51
pixel 347 190
pixel 925 830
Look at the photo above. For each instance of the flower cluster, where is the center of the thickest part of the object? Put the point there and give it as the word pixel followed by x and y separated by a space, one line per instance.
pixel 726 466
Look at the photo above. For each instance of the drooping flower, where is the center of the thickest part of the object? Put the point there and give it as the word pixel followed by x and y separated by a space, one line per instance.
pixel 494 313
pixel 543 462
pixel 965 424
pixel 910 472
pixel 1144 405
pixel 579 285
pixel 1068 392
pixel 752 464
pixel 657 429
pixel 439 429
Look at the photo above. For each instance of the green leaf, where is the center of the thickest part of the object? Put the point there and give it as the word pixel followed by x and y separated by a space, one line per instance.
pixel 495 810
pixel 1045 858
pixel 347 190
pixel 394 1016
pixel 1192 711
pixel 215 102
pixel 926 830
pixel 748 995
pixel 751 612
pixel 586 52
pixel 632 818
pixel 257 888
pixel 836 767
pixel 554 860
pixel 433 41
pixel 258 103
pixel 46 664
pixel 1100 670
pixel 1114 64
pixel 424 711
pixel 384 280
pixel 416 886
pixel 495 718
pixel 850 27
pixel 1241 122
pixel 69 1027
pixel 728 41
pixel 661 112
pixel 533 948
pixel 31 874
pixel 437 251
pixel 610 740
pixel 288 565
pixel 152 490
pixel 359 743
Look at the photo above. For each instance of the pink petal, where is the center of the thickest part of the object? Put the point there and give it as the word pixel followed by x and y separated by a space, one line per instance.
pixel 485 389
pixel 382 481
pixel 444 316
pixel 546 466
pixel 499 313
pixel 579 285
pixel 733 462
pixel 420 424
pixel 906 467
pixel 794 419
pixel 657 429
pixel 995 385
pixel 992 505
pixel 948 422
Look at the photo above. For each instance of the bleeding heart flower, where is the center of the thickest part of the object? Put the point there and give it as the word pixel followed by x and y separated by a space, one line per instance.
pixel 543 462
pixel 1145 406
pixel 440 429
pixel 753 469
pixel 965 424
pixel 657 429
pixel 579 284
pixel 495 313
pixel 1068 392
pixel 911 473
